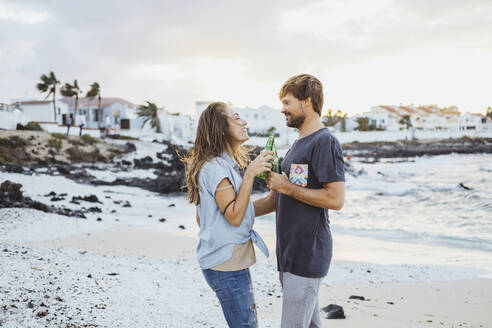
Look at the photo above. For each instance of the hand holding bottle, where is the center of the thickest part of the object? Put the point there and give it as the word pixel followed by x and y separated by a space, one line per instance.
pixel 261 163
pixel 270 147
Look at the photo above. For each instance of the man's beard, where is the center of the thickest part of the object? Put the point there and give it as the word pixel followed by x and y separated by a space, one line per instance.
pixel 296 121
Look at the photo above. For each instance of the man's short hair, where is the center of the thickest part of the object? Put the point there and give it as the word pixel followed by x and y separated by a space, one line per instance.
pixel 304 86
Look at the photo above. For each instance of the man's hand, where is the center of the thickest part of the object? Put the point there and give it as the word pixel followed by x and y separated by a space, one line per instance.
pixel 278 182
pixel 331 196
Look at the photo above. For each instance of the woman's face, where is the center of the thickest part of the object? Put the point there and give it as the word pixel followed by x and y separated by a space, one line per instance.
pixel 237 127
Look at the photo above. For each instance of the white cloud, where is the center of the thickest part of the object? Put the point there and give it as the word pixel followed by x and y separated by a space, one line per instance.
pixel 175 53
pixel 328 19
pixel 18 13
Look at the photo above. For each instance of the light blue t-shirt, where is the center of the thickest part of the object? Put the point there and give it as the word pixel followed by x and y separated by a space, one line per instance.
pixel 217 236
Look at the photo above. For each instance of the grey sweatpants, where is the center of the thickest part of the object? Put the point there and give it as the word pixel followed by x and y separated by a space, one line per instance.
pixel 300 308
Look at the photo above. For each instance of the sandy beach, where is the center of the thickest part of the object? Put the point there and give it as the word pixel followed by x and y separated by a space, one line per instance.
pixel 59 271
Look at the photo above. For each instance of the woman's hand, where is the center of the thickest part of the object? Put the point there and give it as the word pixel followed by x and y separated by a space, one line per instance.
pixel 260 163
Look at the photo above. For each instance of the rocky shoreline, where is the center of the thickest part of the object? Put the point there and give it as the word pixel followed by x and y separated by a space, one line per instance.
pixel 29 153
pixel 374 151
pixel 11 196
pixel 21 156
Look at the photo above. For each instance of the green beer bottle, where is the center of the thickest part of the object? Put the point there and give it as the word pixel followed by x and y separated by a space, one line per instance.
pixel 270 146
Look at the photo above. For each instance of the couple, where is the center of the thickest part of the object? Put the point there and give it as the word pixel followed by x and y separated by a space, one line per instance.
pixel 311 183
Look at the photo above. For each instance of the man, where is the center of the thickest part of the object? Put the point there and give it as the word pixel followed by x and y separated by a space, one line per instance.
pixel 311 183
pixel 81 123
pixel 68 123
pixel 107 125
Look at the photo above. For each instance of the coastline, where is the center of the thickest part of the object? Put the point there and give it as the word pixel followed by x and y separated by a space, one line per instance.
pixel 128 274
pixel 130 259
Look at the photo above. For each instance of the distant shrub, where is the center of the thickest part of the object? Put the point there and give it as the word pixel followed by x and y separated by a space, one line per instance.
pixel 77 155
pixel 55 143
pixel 33 126
pixel 120 137
pixel 59 136
pixel 13 142
pixel 75 142
pixel 88 140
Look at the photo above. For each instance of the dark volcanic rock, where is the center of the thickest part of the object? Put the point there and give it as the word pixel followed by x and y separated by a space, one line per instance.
pixel 143 163
pixel 90 198
pixel 94 209
pixel 13 168
pixel 350 169
pixel 129 147
pixel 464 187
pixel 355 297
pixel 11 196
pixel 169 182
pixel 11 190
pixel 127 163
pixel 334 311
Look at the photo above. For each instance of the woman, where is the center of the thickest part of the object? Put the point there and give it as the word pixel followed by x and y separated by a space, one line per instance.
pixel 225 212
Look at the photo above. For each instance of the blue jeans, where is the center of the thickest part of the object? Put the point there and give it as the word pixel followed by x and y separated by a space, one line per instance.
pixel 234 290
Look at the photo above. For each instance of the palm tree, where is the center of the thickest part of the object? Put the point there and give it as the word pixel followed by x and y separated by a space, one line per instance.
pixel 48 84
pixel 405 121
pixel 329 119
pixel 72 90
pixel 94 91
pixel 342 117
pixel 362 123
pixel 150 112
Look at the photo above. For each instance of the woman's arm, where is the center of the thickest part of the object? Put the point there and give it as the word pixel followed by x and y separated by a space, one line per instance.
pixel 234 206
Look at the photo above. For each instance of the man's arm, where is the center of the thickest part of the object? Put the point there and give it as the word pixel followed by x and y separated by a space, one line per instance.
pixel 265 204
pixel 331 196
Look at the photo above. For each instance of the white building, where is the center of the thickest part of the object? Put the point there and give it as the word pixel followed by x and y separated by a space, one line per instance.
pixel 384 117
pixel 10 117
pixel 177 126
pixel 5 107
pixel 428 118
pixel 121 113
pixel 472 121
pixel 260 120
pixel 41 111
pixel 263 120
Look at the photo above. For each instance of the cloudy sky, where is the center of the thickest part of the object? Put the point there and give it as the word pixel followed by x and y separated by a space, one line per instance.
pixel 177 52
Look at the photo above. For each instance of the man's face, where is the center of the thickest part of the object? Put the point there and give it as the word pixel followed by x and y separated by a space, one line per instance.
pixel 293 110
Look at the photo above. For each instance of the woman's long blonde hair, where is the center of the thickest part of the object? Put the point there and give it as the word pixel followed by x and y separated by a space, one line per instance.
pixel 212 139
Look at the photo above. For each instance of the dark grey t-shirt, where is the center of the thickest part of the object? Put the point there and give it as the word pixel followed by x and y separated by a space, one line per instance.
pixel 304 244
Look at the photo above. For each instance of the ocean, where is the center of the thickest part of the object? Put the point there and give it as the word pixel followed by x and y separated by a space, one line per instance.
pixel 420 201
